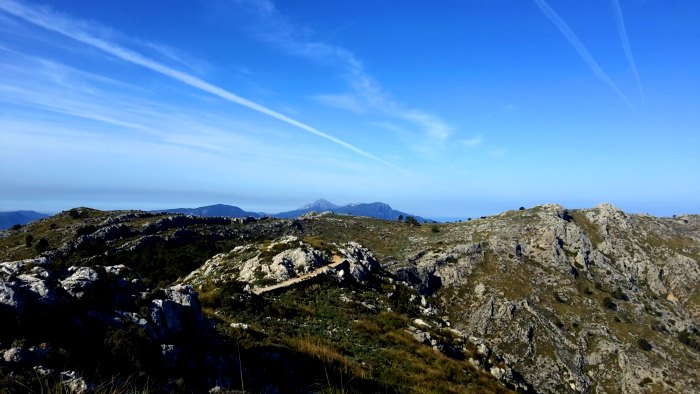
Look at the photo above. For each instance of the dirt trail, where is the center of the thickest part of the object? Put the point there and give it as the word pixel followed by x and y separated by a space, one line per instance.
pixel 335 261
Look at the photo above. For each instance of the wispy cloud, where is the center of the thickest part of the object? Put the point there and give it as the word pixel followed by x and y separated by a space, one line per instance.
pixel 347 102
pixel 580 48
pixel 387 126
pixel 64 118
pixel 497 153
pixel 197 65
pixel 474 141
pixel 622 30
pixel 276 29
pixel 78 31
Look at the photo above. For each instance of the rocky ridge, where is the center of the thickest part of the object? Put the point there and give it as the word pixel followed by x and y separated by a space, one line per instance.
pixel 545 299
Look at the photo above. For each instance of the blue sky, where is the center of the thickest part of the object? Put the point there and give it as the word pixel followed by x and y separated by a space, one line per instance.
pixel 456 108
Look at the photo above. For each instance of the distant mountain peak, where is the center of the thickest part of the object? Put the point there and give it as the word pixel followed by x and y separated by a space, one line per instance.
pixel 320 205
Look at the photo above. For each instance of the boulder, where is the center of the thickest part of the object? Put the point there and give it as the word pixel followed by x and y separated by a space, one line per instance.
pixel 361 260
pixel 37 290
pixel 79 281
pixel 9 297
pixel 17 355
pixel 73 383
pixel 178 311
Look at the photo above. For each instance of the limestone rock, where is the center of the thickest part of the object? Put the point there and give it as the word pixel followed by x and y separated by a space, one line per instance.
pixel 17 355
pixel 361 260
pixel 81 279
pixel 9 297
pixel 180 310
pixel 73 383
pixel 38 289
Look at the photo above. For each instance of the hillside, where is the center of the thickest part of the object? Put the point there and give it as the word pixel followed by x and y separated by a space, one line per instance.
pixel 540 300
pixel 231 211
pixel 377 210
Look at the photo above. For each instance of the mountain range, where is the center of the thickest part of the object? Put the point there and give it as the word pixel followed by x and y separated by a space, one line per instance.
pixel 378 210
pixel 9 219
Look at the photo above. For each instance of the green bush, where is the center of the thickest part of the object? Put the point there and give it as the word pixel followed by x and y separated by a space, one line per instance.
pixel 42 245
pixel 644 344
pixel 691 339
pixel 620 295
pixel 84 230
pixel 609 303
pixel 411 221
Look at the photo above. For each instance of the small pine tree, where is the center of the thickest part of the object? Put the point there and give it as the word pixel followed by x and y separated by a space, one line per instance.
pixel 400 218
pixel 28 240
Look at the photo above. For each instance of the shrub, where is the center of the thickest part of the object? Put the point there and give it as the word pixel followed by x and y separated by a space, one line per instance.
pixel 620 295
pixel 644 344
pixel 42 245
pixel 435 229
pixel 84 230
pixel 28 240
pixel 400 218
pixel 16 227
pixel 411 221
pixel 690 339
pixel 521 209
pixel 609 303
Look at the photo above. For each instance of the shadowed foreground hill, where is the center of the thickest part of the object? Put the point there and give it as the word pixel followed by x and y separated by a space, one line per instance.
pixel 540 300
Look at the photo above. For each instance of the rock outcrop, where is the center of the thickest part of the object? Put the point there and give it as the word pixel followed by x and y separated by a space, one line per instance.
pixel 546 299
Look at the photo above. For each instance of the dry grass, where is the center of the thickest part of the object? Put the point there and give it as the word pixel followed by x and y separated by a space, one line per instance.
pixel 589 228
pixel 329 355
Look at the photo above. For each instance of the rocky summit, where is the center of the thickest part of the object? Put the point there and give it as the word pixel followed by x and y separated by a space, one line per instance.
pixel 547 299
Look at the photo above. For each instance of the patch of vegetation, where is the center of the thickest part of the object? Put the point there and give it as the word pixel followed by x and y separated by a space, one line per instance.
pixel 644 344
pixel 620 295
pixel 347 337
pixel 609 303
pixel 42 245
pixel 690 338
pixel 411 221
pixel 162 262
pixel 588 227
pixel 85 230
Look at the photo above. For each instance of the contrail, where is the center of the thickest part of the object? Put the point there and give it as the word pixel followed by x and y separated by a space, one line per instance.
pixel 580 48
pixel 619 19
pixel 56 23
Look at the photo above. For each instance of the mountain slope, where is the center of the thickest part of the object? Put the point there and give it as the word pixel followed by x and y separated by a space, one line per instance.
pixel 544 300
pixel 377 210
pixel 9 219
pixel 214 210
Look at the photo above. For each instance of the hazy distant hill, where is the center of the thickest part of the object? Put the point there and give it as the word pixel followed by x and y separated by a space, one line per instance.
pixel 377 210
pixel 9 219
pixel 214 210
